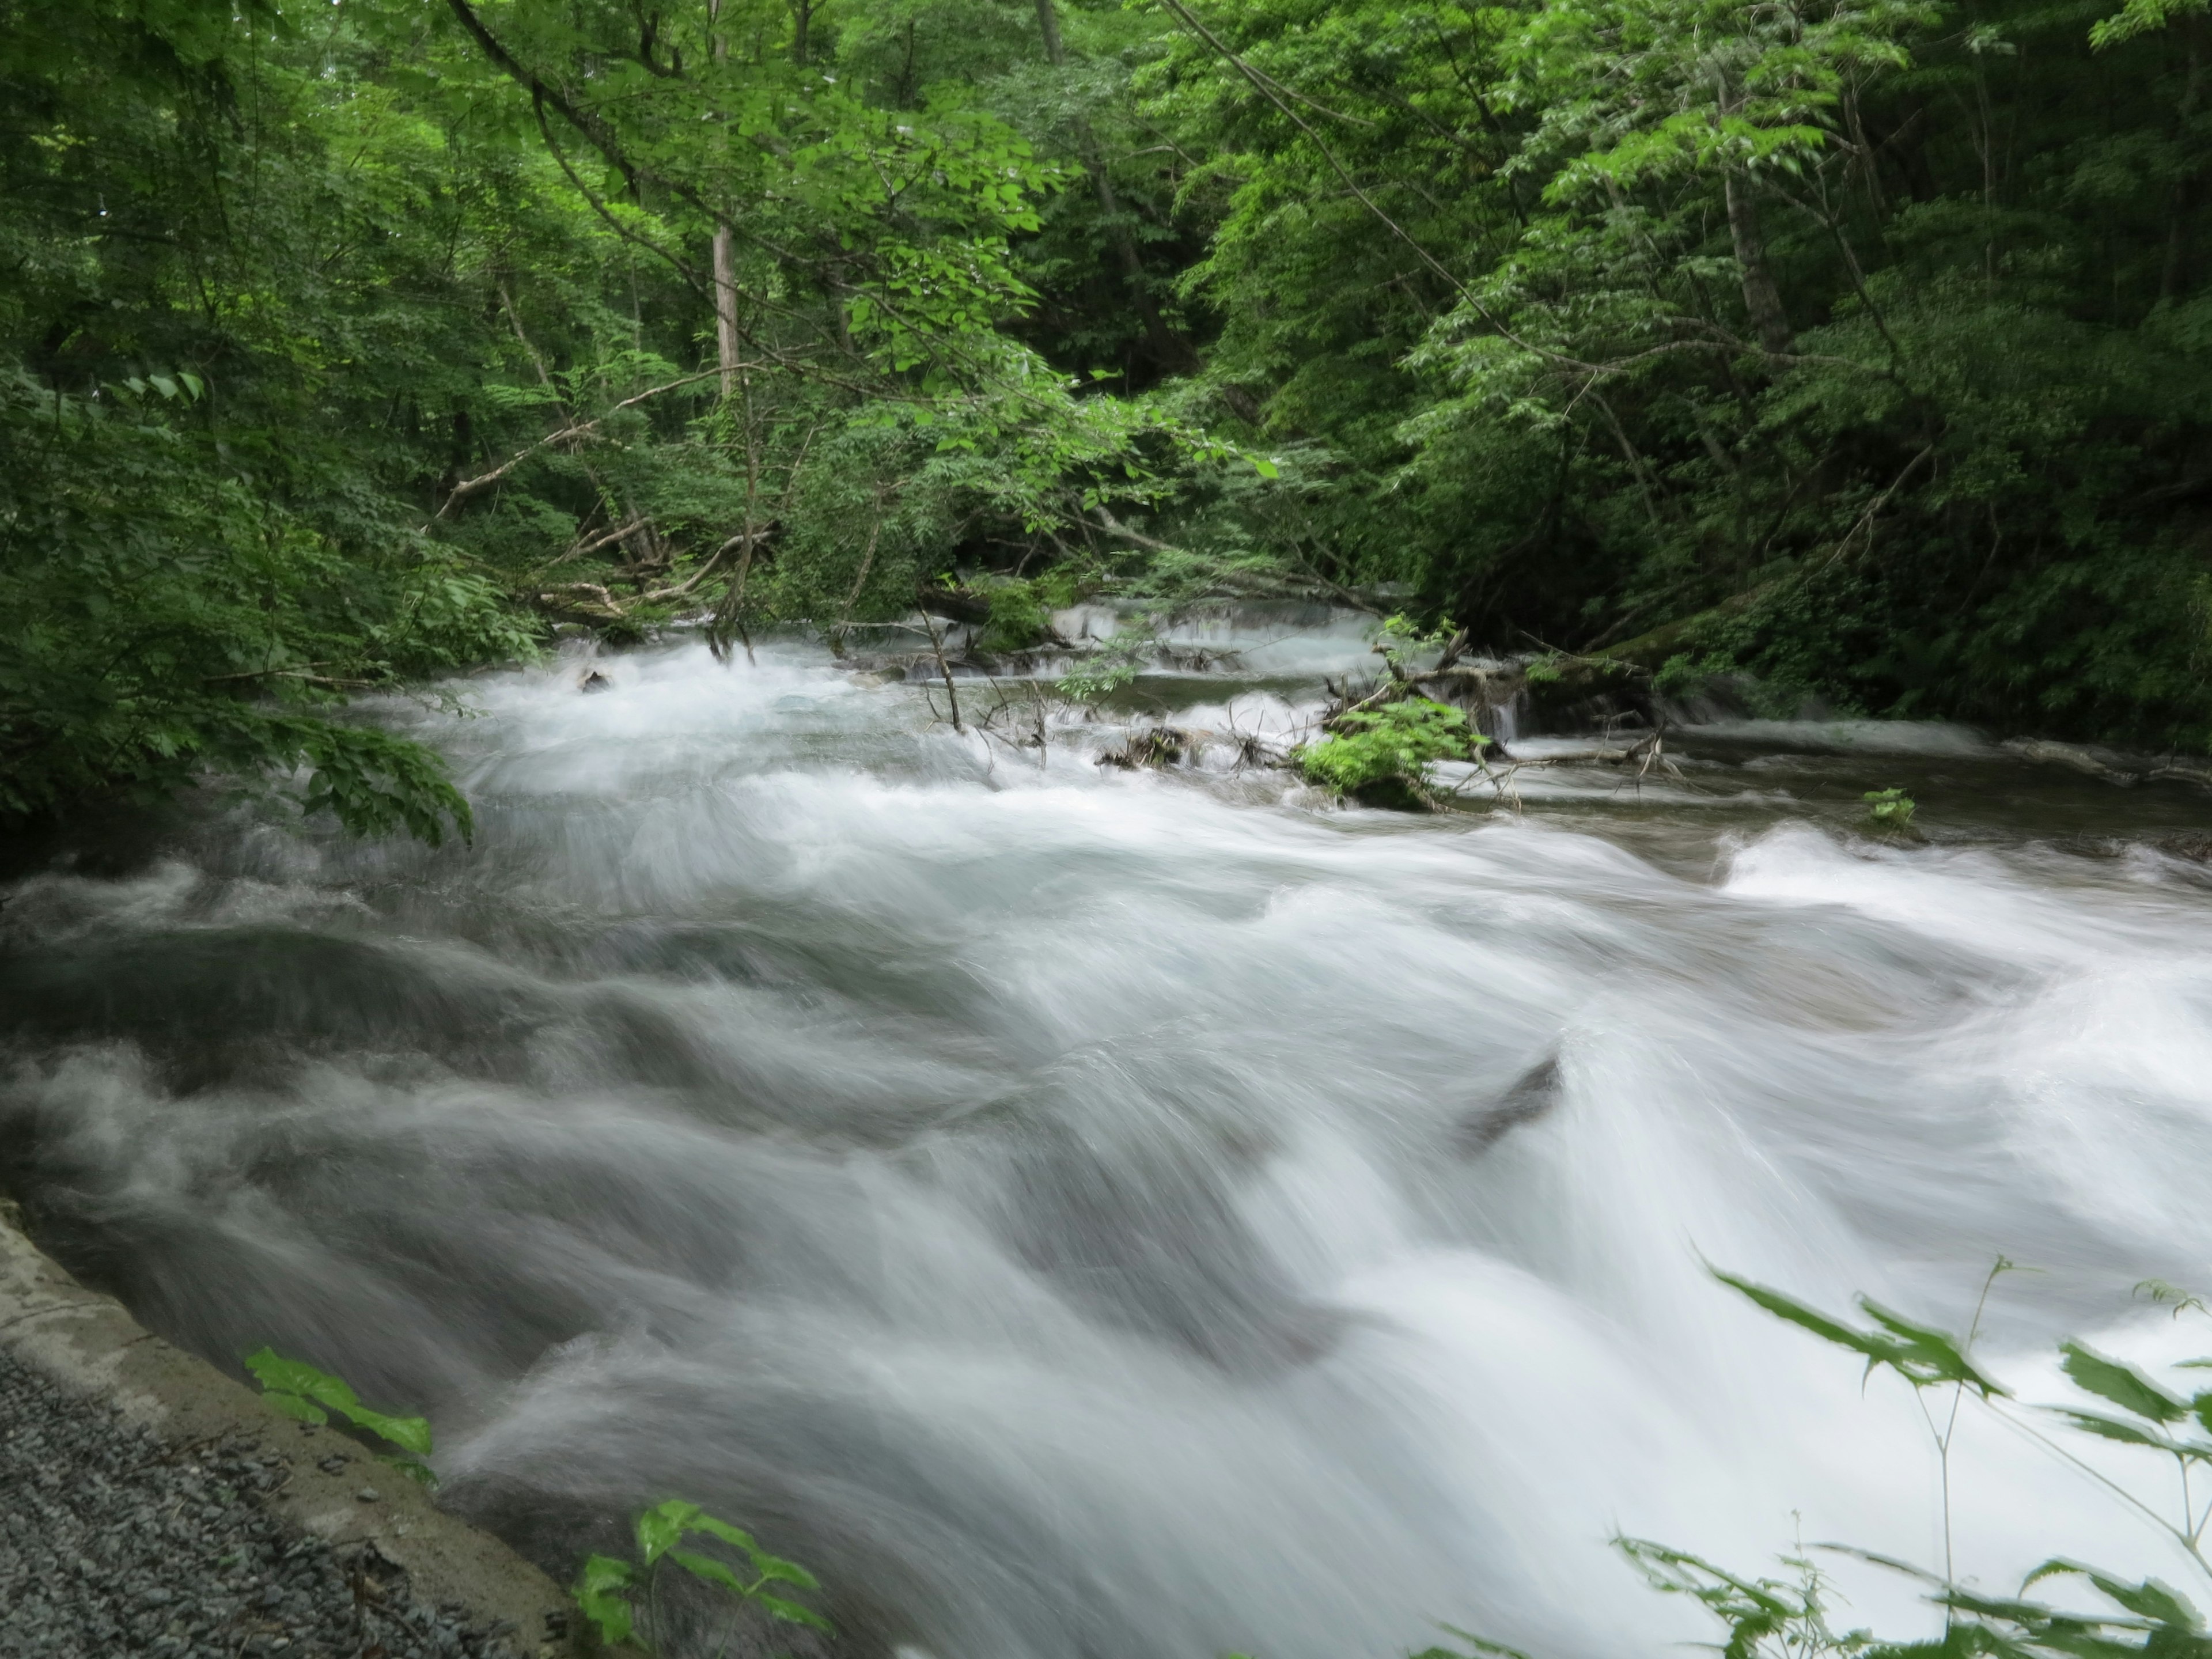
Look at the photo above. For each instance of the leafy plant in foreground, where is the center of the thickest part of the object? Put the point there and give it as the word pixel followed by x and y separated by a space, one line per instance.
pixel 1767 1617
pixel 609 1587
pixel 2152 1618
pixel 298 1389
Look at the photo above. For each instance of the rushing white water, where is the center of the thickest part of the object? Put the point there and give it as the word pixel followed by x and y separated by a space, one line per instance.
pixel 1091 1212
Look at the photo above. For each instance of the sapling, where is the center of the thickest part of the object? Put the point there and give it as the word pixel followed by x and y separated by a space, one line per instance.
pixel 609 1588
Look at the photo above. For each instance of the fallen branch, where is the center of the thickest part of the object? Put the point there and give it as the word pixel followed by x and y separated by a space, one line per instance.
pixel 582 549
pixel 606 601
pixel 469 487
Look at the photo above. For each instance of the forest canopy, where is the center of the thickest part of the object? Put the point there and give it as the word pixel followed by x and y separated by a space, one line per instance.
pixel 1851 352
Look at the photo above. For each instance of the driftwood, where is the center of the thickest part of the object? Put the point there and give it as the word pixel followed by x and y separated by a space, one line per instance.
pixel 960 604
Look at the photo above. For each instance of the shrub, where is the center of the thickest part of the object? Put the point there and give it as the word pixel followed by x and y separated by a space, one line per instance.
pixel 1389 749
pixel 608 1588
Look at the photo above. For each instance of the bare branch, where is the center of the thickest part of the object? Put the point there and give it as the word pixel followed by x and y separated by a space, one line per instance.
pixel 580 429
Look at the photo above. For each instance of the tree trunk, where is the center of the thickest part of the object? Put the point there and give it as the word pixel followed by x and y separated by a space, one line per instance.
pixel 1761 297
pixel 725 306
pixel 726 256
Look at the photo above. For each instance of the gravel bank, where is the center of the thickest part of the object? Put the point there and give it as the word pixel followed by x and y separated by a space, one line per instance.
pixel 111 1542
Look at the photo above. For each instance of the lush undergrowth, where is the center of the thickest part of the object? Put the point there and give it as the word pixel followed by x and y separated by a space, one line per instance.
pixel 1853 349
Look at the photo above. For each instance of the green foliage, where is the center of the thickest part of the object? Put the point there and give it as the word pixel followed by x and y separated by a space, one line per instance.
pixel 1857 342
pixel 1789 1619
pixel 298 1389
pixel 1890 808
pixel 347 346
pixel 602 1593
pixel 1923 1357
pixel 1622 312
pixel 1393 743
pixel 1767 1617
pixel 1020 618
pixel 1109 667
pixel 617 1594
pixel 2142 17
pixel 2154 1619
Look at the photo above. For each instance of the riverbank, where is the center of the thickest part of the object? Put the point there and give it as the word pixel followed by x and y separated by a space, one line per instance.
pixel 148 1504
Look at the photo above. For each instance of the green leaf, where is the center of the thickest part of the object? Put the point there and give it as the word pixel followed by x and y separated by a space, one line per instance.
pixel 2112 1428
pixel 2158 1602
pixel 663 1526
pixel 2123 1384
pixel 1806 1318
pixel 415 1470
pixel 706 1568
pixel 792 1614
pixel 2151 1600
pixel 1922 1355
pixel 409 1433
pixel 725 1531
pixel 2141 17
pixel 292 1406
pixel 1938 1354
pixel 283 1379
pixel 600 1593
pixel 789 1572
pixel 1481 1644
pixel 297 1376
pixel 604 1572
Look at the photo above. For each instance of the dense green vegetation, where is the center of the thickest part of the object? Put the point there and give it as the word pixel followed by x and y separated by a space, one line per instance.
pixel 1854 349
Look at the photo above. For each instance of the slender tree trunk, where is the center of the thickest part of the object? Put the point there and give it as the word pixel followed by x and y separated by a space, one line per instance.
pixel 1760 297
pixel 1868 171
pixel 725 306
pixel 726 256
pixel 1168 348
pixel 1049 24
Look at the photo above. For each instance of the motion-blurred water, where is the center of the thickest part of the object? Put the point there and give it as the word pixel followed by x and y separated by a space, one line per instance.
pixel 1082 1211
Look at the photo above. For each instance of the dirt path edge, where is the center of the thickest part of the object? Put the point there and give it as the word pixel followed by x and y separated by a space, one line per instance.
pixel 87 1344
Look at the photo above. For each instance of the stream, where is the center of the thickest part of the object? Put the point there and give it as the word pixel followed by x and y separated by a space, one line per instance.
pixel 1154 1213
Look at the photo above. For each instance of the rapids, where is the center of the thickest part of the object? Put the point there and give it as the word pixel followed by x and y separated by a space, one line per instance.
pixel 1146 1215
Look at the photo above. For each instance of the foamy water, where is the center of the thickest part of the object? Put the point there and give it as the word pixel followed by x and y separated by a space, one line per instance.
pixel 1080 1212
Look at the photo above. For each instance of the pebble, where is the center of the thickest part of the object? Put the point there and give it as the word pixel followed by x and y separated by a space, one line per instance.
pixel 112 1543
